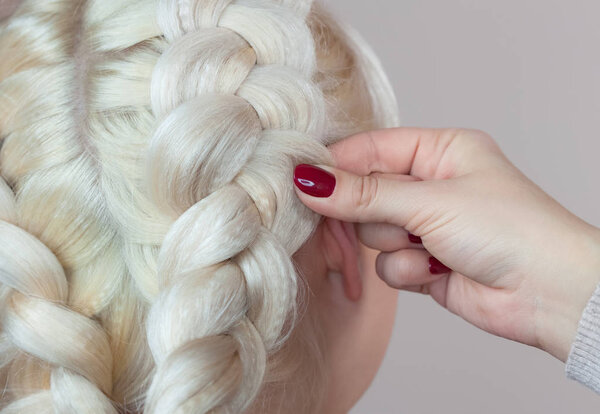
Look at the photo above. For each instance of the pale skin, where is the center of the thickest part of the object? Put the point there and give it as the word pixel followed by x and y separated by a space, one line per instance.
pixel 522 266
pixel 358 329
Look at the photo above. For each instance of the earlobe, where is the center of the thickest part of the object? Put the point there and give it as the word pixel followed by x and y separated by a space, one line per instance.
pixel 341 252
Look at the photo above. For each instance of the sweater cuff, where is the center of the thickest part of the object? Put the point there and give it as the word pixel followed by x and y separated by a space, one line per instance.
pixel 583 363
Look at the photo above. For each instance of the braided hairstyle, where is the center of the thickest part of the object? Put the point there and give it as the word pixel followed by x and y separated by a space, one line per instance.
pixel 147 216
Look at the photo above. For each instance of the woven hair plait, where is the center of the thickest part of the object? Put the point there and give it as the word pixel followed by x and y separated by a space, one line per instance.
pixel 235 83
pixel 57 358
pixel 147 150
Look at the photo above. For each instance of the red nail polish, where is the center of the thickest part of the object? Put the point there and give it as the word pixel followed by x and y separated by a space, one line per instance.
pixel 414 239
pixel 436 267
pixel 313 180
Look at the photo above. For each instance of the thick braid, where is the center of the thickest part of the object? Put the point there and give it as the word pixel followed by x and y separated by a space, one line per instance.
pixel 59 248
pixel 146 154
pixel 233 93
pixel 35 320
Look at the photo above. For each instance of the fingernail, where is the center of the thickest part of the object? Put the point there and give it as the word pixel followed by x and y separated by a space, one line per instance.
pixel 414 239
pixel 436 267
pixel 313 180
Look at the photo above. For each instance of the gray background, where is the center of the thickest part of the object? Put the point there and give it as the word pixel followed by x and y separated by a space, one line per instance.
pixel 527 72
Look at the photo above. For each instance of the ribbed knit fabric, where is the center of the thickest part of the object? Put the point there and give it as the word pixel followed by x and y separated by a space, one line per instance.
pixel 583 363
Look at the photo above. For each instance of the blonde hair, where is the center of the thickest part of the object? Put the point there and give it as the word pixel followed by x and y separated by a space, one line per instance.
pixel 147 213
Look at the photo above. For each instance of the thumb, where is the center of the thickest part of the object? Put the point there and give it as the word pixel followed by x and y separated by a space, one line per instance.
pixel 345 196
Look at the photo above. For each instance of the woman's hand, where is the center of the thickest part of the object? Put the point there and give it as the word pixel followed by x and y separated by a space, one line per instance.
pixel 523 267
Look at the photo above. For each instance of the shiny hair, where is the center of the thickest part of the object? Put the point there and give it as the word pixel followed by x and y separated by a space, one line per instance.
pixel 147 212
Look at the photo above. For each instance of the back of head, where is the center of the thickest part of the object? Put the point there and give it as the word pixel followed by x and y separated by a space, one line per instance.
pixel 147 216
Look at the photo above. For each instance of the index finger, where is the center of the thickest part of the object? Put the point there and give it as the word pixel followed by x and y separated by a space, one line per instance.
pixel 404 150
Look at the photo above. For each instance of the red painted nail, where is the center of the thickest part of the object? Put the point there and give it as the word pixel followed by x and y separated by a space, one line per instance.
pixel 414 239
pixel 313 180
pixel 436 267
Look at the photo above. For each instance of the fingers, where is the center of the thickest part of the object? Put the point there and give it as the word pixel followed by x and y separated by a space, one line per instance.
pixel 385 237
pixel 406 269
pixel 459 294
pixel 468 299
pixel 409 269
pixel 420 152
pixel 361 199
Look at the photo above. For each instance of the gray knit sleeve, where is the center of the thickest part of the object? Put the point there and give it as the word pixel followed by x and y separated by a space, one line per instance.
pixel 583 363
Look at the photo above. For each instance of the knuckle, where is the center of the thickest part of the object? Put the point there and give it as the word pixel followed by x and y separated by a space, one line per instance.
pixel 472 139
pixel 391 269
pixel 364 192
pixel 476 135
pixel 464 133
pixel 382 268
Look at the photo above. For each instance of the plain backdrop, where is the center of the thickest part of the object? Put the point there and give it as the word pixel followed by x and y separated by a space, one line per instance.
pixel 527 72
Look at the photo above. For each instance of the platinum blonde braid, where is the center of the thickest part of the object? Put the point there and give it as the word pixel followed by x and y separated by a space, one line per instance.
pixel 33 309
pixel 233 93
pixel 60 261
pixel 147 162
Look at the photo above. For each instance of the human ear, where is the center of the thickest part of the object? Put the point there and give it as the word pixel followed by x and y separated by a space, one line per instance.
pixel 341 254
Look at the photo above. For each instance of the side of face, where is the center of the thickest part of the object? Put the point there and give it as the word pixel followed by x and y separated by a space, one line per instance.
pixel 357 330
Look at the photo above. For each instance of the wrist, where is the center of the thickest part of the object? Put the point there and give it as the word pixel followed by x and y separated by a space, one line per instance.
pixel 565 294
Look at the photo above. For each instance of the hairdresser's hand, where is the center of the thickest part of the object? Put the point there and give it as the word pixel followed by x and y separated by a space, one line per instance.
pixel 523 267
